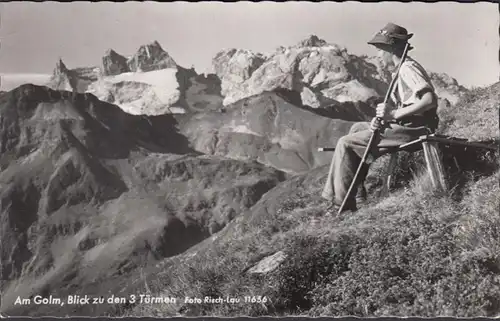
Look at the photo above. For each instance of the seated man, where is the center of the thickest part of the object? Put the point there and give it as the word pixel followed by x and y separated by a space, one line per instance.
pixel 412 114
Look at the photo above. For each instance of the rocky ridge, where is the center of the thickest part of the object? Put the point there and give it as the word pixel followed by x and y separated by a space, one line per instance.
pixel 321 72
pixel 150 82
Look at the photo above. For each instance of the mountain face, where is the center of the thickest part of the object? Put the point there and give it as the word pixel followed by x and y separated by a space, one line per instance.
pixel 319 71
pixel 269 129
pixel 234 67
pixel 77 79
pixel 151 83
pixel 150 57
pixel 114 64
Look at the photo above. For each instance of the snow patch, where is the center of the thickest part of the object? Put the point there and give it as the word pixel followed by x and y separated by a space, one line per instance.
pixel 244 130
pixel 164 78
pixel 138 93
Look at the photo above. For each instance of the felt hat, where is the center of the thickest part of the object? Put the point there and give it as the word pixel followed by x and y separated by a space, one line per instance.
pixel 390 37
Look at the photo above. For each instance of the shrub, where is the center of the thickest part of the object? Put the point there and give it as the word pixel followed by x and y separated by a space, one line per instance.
pixel 309 261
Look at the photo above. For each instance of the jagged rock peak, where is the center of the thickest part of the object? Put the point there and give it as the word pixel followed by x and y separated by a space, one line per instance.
pixel 154 48
pixel 111 52
pixel 60 67
pixel 62 77
pixel 228 53
pixel 114 63
pixel 313 41
pixel 155 43
pixel 237 61
pixel 151 57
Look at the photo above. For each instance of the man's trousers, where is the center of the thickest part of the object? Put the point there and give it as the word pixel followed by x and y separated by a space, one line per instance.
pixel 351 148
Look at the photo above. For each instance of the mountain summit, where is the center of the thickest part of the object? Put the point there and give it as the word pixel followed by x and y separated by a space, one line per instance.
pixel 318 71
pixel 321 73
pixel 151 57
pixel 76 80
pixel 151 83
pixel 114 63
pixel 312 41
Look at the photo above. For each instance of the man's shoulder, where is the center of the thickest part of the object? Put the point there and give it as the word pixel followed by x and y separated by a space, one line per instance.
pixel 409 67
pixel 413 74
pixel 410 63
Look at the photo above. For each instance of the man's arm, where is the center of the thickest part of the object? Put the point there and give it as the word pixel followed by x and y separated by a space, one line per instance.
pixel 427 101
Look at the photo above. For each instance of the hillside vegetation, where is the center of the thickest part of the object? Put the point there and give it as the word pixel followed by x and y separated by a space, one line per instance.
pixel 413 253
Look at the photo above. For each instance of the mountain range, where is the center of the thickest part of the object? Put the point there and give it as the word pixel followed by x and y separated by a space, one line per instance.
pixel 150 82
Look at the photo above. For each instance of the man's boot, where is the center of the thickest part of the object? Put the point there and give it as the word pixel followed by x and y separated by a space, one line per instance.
pixel 361 195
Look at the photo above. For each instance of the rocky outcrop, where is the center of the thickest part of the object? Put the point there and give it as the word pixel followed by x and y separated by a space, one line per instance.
pixel 150 57
pixel 447 87
pixel 314 68
pixel 76 80
pixel 321 72
pixel 114 63
pixel 235 66
pixel 268 264
pixel 61 78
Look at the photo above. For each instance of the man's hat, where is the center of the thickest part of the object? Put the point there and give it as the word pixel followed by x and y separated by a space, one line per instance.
pixel 391 36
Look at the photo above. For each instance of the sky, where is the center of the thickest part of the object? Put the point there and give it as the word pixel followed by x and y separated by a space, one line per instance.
pixel 456 38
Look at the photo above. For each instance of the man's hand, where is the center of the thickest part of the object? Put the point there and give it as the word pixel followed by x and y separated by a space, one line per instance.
pixel 375 124
pixel 384 112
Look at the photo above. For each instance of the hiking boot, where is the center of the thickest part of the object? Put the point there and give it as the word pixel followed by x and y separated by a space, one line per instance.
pixel 333 209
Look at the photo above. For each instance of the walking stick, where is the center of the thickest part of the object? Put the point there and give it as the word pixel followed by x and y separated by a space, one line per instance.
pixel 375 133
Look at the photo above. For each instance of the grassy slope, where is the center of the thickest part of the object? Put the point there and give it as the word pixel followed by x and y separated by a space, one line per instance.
pixel 475 117
pixel 413 253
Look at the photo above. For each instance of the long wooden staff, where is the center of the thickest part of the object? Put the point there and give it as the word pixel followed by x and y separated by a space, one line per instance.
pixel 375 133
